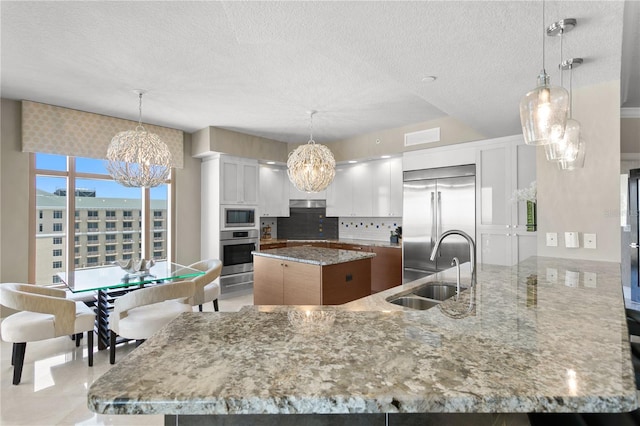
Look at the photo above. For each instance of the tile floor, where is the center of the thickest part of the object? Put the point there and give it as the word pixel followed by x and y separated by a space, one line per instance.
pixel 55 379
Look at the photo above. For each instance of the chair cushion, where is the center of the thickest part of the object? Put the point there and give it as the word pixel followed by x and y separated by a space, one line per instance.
pixel 144 321
pixel 27 326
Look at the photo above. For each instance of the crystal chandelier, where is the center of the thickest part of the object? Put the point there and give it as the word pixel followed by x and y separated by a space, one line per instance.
pixel 137 158
pixel 311 167
pixel 544 110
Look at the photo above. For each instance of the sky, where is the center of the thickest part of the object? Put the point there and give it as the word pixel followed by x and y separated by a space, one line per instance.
pixel 103 188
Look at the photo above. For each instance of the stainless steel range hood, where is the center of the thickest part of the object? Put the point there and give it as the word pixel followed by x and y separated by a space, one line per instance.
pixel 308 204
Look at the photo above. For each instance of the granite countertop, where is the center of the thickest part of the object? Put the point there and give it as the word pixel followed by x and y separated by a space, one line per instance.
pixel 368 243
pixel 314 255
pixel 547 335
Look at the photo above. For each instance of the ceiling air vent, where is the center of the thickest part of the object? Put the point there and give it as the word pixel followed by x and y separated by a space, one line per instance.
pixel 423 136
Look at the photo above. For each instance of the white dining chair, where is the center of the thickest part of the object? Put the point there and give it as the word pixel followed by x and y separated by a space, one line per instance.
pixel 140 313
pixel 44 313
pixel 207 288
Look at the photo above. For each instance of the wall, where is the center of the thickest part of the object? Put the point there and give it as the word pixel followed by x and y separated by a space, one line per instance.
pixel 188 194
pixel 630 135
pixel 212 139
pixel 588 199
pixel 391 141
pixel 14 196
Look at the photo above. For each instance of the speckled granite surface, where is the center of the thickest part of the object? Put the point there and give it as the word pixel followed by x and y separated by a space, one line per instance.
pixel 547 335
pixel 370 243
pixel 314 255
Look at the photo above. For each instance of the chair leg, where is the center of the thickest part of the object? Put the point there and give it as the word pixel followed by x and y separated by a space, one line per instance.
pixel 200 308
pixel 112 347
pixel 18 350
pixel 78 337
pixel 90 347
pixel 215 305
pixel 14 349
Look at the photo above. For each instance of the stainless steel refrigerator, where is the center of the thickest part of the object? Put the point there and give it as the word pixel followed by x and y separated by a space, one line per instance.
pixel 437 200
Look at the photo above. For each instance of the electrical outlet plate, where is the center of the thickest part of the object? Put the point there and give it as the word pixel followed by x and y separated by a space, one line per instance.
pixel 552 275
pixel 552 239
pixel 571 240
pixel 590 241
pixel 590 279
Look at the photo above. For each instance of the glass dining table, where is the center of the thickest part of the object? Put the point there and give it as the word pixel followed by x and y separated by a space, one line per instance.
pixel 108 282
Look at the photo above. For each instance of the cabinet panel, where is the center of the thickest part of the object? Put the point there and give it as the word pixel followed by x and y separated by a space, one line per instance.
pixel 386 268
pixel 527 245
pixel 493 182
pixel 495 248
pixel 381 188
pixel 249 183
pixel 524 175
pixel 395 174
pixel 344 282
pixel 239 180
pixel 302 284
pixel 361 199
pixel 268 279
pixel 339 194
pixel 230 184
pixel 273 194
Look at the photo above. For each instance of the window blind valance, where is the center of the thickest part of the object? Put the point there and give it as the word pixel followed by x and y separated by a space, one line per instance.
pixel 56 130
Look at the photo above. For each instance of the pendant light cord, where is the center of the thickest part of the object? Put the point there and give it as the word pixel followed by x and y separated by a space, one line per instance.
pixel 571 91
pixel 543 36
pixel 140 126
pixel 311 127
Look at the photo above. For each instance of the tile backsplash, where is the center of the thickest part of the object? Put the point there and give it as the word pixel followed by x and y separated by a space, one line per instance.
pixel 367 228
pixel 272 222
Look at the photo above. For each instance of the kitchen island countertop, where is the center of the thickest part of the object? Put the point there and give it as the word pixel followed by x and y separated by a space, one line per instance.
pixel 314 255
pixel 547 335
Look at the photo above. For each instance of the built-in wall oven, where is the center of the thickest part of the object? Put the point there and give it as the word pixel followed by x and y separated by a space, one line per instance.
pixel 237 260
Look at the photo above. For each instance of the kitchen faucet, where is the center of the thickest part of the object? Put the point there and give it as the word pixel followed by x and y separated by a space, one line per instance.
pixel 472 250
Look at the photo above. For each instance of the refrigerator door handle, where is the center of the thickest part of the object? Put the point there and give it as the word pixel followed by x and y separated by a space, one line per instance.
pixel 439 217
pixel 433 220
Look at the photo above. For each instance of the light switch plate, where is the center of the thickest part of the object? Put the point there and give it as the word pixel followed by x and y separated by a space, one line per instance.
pixel 590 241
pixel 552 239
pixel 571 240
pixel 552 275
pixel 590 279
pixel 571 278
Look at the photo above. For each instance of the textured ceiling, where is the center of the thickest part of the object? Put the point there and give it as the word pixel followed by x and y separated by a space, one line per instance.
pixel 258 67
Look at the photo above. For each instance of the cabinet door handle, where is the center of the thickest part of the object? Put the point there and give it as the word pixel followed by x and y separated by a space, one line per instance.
pixel 508 226
pixel 634 245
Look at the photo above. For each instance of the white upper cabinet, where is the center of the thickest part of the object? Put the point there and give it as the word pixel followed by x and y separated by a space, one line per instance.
pixel 386 178
pixel 339 200
pixel 239 178
pixel 274 191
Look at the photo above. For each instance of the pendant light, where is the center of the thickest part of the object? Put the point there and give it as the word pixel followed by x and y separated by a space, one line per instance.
pixel 544 110
pixel 137 158
pixel 555 149
pixel 311 167
pixel 575 147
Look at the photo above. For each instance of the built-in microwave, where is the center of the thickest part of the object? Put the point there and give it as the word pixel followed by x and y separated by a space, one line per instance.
pixel 238 217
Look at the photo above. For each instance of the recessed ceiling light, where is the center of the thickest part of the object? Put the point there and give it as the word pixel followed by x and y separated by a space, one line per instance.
pixel 352 161
pixel 385 156
pixel 429 79
pixel 271 162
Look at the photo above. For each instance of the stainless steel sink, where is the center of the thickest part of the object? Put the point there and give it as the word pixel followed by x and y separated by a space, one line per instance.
pixel 436 291
pixel 414 302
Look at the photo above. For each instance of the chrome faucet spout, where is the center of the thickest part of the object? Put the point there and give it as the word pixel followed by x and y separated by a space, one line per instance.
pixel 472 249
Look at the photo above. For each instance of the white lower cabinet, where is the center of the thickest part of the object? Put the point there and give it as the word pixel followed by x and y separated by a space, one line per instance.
pixel 501 222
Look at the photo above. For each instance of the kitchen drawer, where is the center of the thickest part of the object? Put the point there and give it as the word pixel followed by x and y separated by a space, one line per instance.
pixel 268 246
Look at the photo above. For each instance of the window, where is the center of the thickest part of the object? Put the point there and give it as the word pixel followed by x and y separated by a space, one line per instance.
pixel 127 225
pixel 126 256
pixel 76 250
pixel 127 247
pixel 157 254
pixel 110 258
pixel 57 264
pixel 57 253
pixel 55 279
pixel 157 224
pixel 157 235
pixel 157 244
pixel 94 191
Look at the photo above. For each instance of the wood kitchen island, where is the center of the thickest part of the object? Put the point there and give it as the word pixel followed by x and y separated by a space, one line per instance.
pixel 310 276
